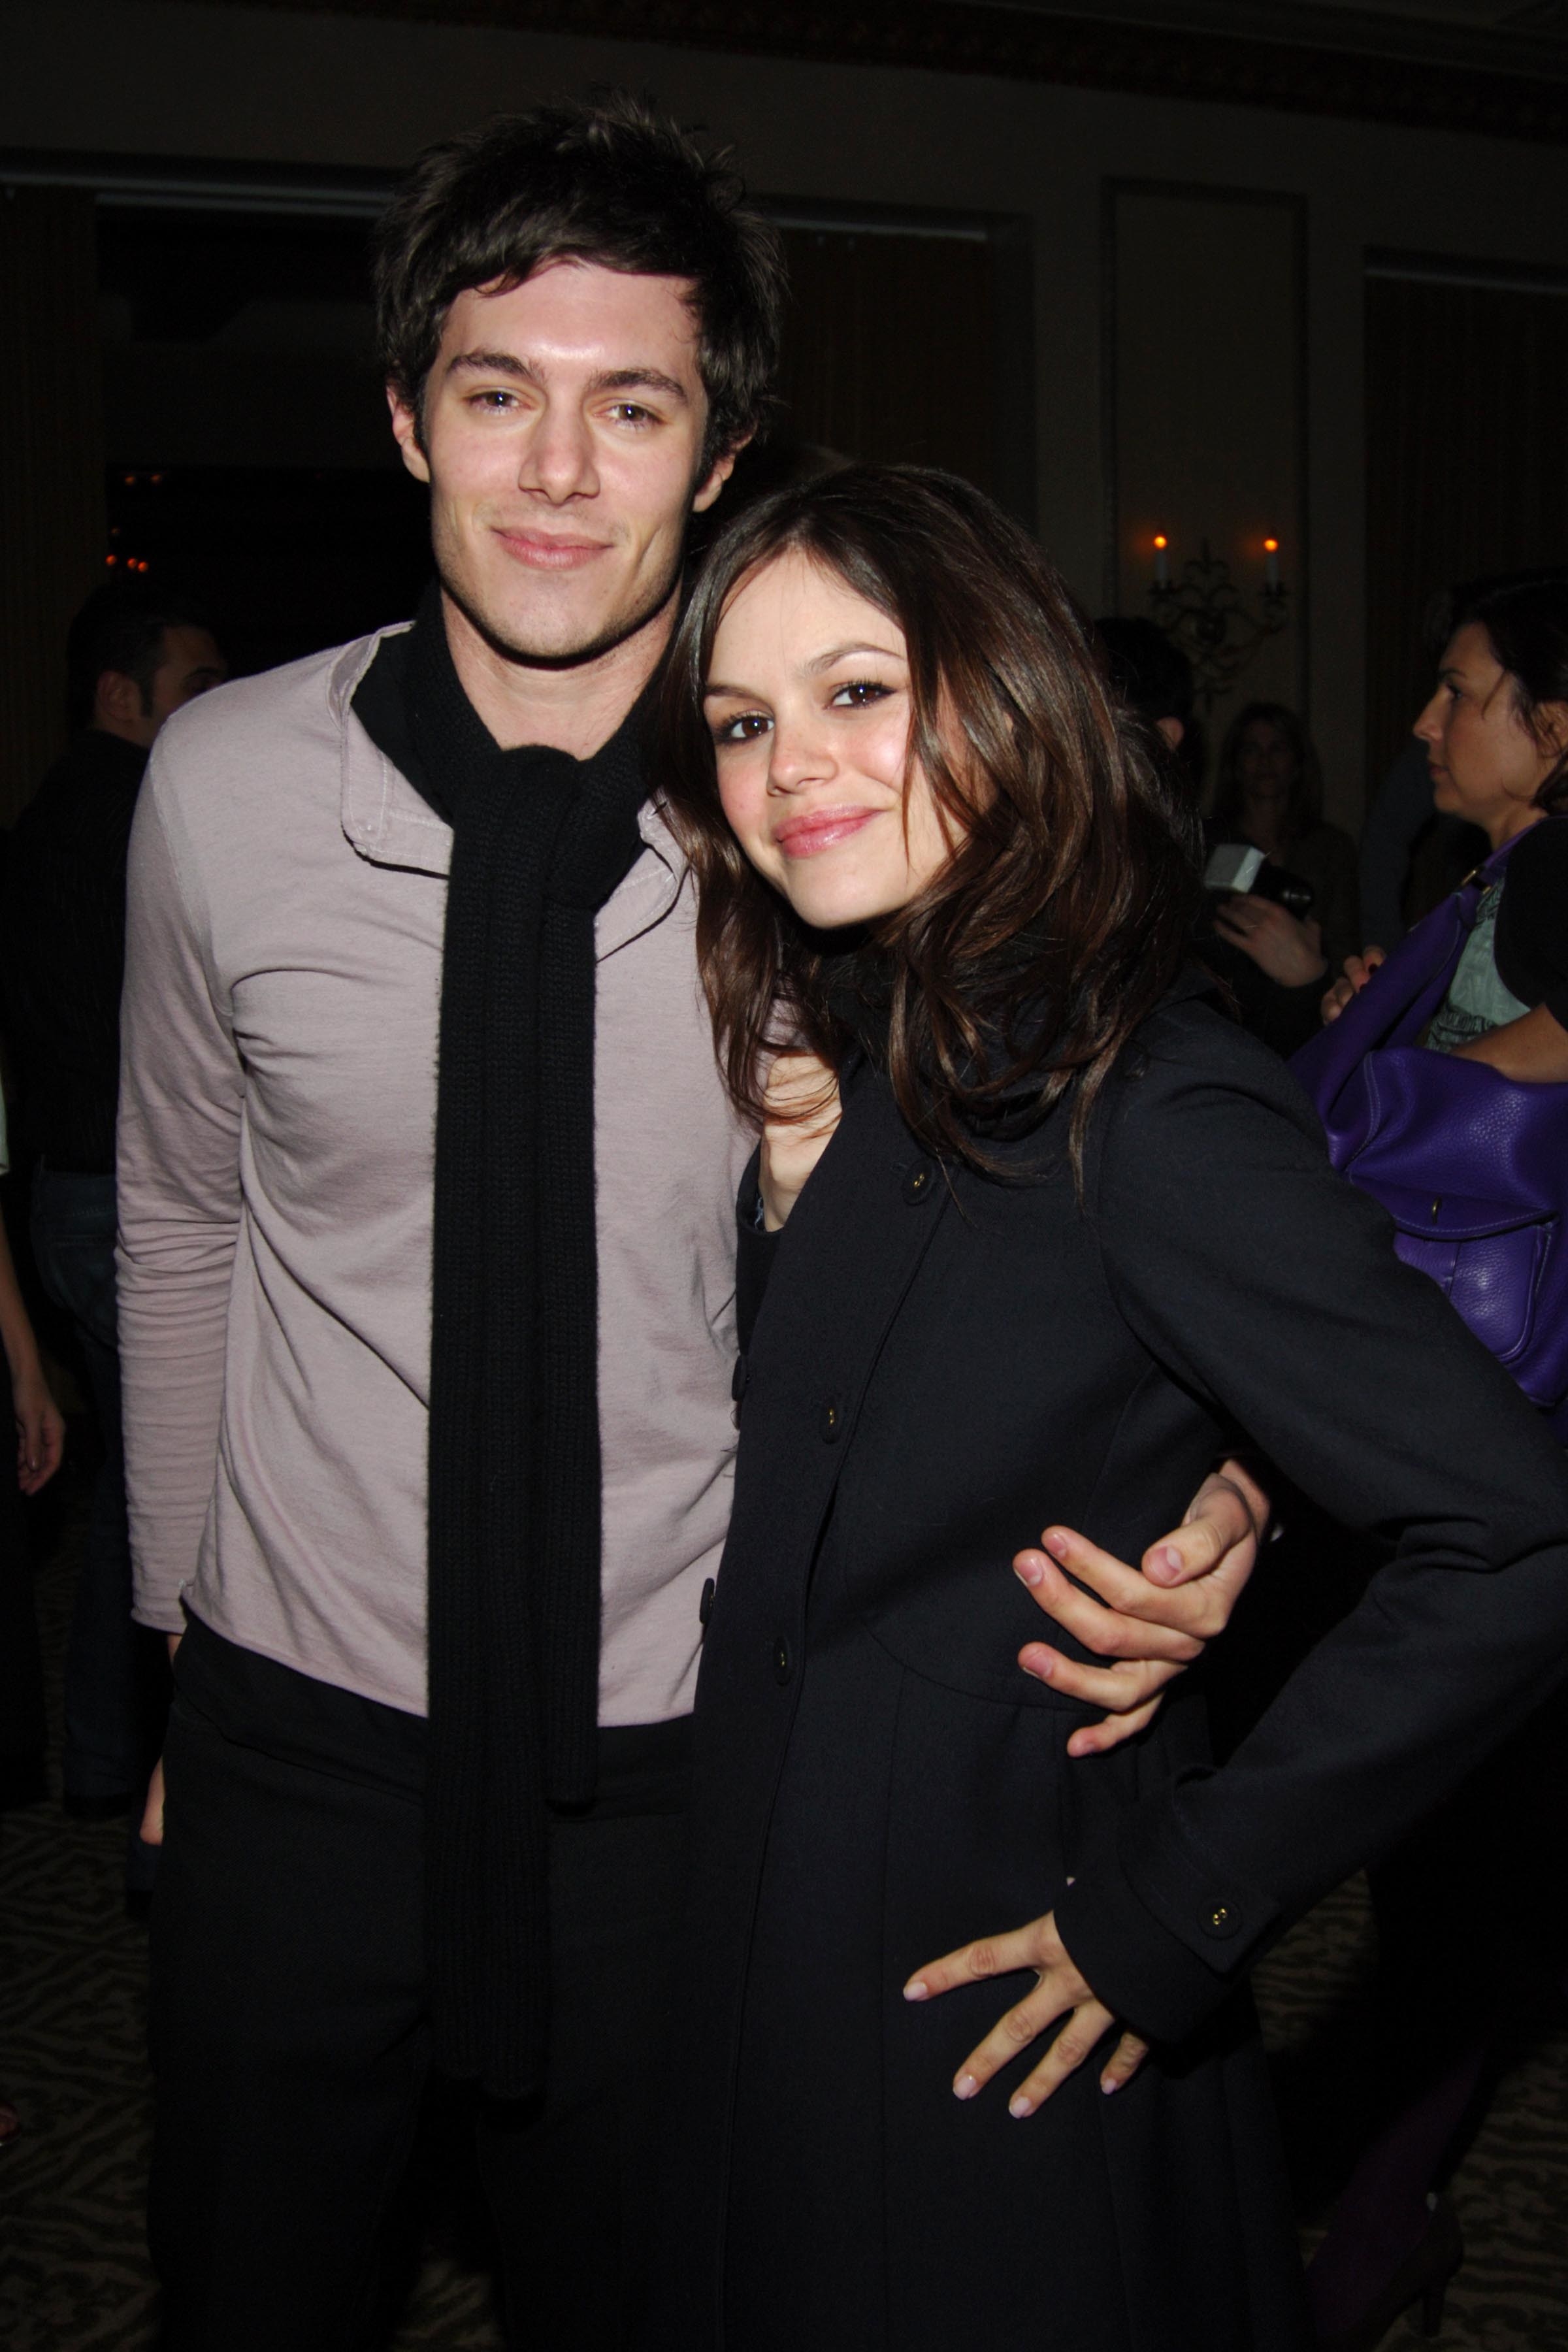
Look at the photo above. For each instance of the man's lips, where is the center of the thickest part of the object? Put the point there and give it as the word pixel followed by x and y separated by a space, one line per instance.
pixel 803 835
pixel 550 551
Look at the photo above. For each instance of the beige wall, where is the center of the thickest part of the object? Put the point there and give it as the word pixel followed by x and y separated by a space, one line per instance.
pixel 152 76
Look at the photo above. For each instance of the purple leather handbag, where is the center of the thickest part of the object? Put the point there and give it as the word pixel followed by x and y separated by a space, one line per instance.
pixel 1472 1167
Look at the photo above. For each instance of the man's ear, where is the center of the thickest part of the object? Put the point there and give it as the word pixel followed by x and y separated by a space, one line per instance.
pixel 117 703
pixel 1172 730
pixel 722 468
pixel 406 433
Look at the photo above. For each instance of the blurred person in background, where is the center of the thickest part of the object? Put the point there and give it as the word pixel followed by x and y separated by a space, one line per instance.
pixel 1269 792
pixel 1269 959
pixel 1413 852
pixel 133 657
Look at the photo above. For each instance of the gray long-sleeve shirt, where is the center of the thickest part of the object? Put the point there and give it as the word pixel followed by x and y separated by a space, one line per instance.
pixel 276 1160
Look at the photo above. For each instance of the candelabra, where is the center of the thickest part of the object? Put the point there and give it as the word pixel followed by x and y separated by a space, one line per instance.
pixel 1205 614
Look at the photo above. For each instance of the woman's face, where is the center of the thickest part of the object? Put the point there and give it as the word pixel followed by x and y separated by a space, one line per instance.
pixel 808 699
pixel 1486 764
pixel 1267 766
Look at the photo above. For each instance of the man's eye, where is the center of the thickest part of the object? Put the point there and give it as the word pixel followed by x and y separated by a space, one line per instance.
pixel 746 728
pixel 493 404
pixel 857 693
pixel 627 411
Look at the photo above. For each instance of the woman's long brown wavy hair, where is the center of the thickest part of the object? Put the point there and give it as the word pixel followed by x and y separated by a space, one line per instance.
pixel 1021 972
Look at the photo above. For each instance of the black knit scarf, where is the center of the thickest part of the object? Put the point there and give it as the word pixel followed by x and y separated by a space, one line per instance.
pixel 540 842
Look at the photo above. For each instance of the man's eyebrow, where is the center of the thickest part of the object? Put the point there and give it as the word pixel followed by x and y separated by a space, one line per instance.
pixel 629 379
pixel 641 379
pixel 491 364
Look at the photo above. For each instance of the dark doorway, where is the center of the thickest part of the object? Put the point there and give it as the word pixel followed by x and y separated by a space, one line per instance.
pixel 1466 396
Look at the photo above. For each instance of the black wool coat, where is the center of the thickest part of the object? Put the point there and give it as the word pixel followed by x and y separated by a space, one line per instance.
pixel 942 1363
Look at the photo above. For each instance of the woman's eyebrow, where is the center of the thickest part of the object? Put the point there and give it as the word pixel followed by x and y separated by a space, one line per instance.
pixel 819 662
pixel 717 686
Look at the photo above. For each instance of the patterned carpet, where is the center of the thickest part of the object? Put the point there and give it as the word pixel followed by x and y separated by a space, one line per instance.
pixel 74 2275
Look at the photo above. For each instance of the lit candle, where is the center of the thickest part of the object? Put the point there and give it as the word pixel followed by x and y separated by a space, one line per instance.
pixel 1161 561
pixel 1271 562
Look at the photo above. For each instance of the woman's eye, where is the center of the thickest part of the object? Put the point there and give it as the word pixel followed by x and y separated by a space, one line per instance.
pixel 746 728
pixel 859 693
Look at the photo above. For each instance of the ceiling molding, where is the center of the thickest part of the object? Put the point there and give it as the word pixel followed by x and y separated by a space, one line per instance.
pixel 974 36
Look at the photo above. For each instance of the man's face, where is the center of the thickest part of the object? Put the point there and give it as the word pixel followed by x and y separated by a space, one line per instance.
pixel 562 437
pixel 188 664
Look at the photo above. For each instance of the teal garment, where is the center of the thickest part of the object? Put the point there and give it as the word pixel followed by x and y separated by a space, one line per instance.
pixel 1478 999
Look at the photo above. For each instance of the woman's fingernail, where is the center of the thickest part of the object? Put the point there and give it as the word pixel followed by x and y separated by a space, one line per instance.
pixel 965 2087
pixel 1028 1568
pixel 916 1989
pixel 1107 2083
pixel 1020 2106
pixel 1055 1543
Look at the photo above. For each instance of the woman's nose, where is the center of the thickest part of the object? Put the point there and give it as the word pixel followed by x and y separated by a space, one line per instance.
pixel 800 755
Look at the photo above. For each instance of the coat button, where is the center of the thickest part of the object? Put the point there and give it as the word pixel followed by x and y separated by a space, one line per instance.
pixel 921 1181
pixel 705 1606
pixel 1219 1919
pixel 783 1664
pixel 831 1425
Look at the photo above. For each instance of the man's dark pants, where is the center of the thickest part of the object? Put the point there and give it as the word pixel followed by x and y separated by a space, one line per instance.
pixel 115 1677
pixel 291 2045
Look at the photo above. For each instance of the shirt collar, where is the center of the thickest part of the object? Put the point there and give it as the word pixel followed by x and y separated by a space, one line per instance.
pixel 387 822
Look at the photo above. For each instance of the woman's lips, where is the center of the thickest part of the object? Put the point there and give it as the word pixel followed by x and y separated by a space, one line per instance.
pixel 803 836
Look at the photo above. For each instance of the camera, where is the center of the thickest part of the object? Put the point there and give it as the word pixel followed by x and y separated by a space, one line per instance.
pixel 1236 870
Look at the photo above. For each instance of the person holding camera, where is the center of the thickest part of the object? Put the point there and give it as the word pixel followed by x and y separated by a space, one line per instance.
pixel 1298 914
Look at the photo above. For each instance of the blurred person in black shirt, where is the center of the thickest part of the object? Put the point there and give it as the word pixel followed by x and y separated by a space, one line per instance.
pixel 1269 959
pixel 133 657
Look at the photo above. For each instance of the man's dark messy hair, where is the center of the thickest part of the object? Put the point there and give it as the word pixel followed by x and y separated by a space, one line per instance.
pixel 613 182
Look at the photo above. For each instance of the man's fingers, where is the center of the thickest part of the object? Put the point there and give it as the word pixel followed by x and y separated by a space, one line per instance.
pixel 1099 1738
pixel 1221 1518
pixel 1112 1687
pixel 1126 2059
pixel 1121 1587
pixel 1137 1620
pixel 1110 1633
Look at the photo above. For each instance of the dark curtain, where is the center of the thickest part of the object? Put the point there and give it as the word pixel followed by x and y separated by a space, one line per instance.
pixel 1466 467
pixel 889 349
pixel 52 534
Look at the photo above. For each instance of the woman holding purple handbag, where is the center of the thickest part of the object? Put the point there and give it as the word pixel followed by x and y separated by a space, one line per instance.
pixel 1470 1156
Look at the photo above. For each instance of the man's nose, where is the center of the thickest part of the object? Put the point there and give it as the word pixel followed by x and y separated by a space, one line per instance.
pixel 558 459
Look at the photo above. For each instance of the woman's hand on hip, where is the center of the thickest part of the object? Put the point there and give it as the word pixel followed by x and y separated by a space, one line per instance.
pixel 1058 1991
pixel 801 1112
pixel 1154 1620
